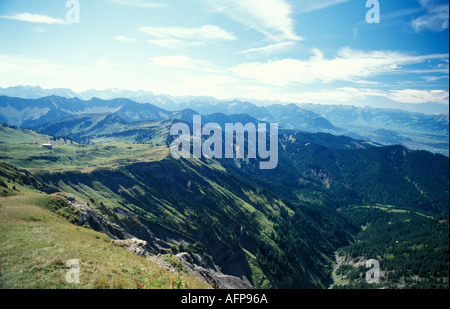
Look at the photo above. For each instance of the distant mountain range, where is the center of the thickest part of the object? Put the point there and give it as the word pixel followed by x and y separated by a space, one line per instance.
pixel 32 113
pixel 384 126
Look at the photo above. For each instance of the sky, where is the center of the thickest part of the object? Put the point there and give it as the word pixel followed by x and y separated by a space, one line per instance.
pixel 292 51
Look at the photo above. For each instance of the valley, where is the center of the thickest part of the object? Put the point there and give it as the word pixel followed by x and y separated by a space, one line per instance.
pixel 225 221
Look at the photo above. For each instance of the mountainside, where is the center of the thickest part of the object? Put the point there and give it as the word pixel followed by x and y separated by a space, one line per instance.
pixel 9 134
pixel 384 126
pixel 238 226
pixel 37 112
pixel 300 119
pixel 35 92
pixel 287 116
pixel 101 128
pixel 76 126
pixel 391 175
pixel 392 127
pixel 377 117
pixel 40 233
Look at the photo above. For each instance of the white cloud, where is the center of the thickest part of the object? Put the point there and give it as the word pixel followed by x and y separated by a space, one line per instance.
pixel 125 39
pixel 182 75
pixel 400 13
pixel 104 63
pixel 365 82
pixel 269 49
pixel 39 29
pixel 346 95
pixel 183 62
pixel 269 17
pixel 179 37
pixel 436 16
pixel 340 95
pixel 415 96
pixel 307 6
pixel 175 43
pixel 29 66
pixel 48 73
pixel 141 3
pixel 204 33
pixel 180 61
pixel 35 18
pixel 434 78
pixel 347 65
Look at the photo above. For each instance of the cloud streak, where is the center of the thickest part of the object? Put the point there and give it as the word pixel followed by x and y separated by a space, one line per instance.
pixel 436 16
pixel 345 95
pixel 34 18
pixel 269 49
pixel 347 65
pixel 307 6
pixel 178 37
pixel 183 62
pixel 141 3
pixel 272 18
pixel 124 39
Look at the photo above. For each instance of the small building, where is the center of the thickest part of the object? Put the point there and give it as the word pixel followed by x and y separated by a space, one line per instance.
pixel 48 146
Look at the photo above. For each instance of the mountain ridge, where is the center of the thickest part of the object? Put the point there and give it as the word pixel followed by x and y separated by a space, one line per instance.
pixel 426 132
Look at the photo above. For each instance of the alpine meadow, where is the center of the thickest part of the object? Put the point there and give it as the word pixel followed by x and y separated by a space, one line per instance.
pixel 210 145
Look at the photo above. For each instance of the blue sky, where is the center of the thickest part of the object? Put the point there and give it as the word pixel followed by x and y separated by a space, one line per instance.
pixel 302 51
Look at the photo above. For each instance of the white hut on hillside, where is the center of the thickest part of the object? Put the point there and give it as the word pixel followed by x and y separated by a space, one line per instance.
pixel 48 146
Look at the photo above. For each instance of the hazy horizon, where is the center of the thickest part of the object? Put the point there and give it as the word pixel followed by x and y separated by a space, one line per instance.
pixel 82 96
pixel 312 51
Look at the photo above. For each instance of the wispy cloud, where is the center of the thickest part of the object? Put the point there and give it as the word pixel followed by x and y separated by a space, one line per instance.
pixel 414 96
pixel 141 3
pixel 347 65
pixel 175 43
pixel 269 17
pixel 177 37
pixel 401 13
pixel 307 6
pixel 124 39
pixel 103 73
pixel 269 49
pixel 436 16
pixel 434 78
pixel 183 62
pixel 351 94
pixel 34 18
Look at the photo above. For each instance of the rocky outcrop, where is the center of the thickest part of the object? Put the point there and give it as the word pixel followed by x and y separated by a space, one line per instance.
pixel 194 263
pixel 137 246
pixel 138 239
pixel 119 235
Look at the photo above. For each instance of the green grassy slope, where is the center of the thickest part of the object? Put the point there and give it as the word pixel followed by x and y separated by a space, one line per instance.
pixel 279 228
pixel 38 237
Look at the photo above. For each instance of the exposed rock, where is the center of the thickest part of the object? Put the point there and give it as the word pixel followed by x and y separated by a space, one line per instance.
pixel 137 246
pixel 137 238
pixel 211 273
pixel 118 234
pixel 324 178
pixel 96 221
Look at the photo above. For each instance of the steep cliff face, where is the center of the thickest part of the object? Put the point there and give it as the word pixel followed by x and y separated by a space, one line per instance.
pixel 217 223
pixel 149 246
pixel 39 232
pixel 173 209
